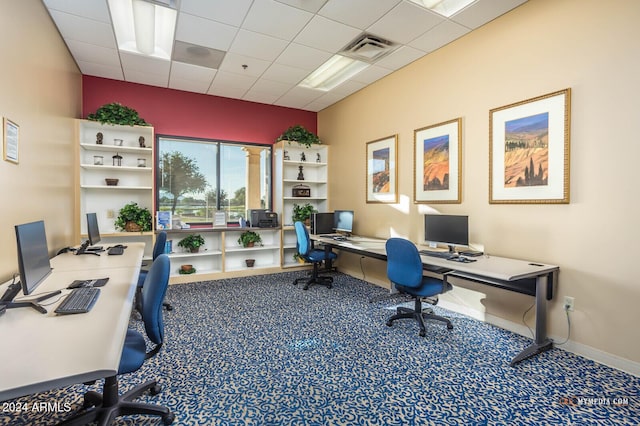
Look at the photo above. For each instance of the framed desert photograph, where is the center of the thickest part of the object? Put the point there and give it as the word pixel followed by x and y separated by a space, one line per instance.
pixel 382 175
pixel 529 151
pixel 438 163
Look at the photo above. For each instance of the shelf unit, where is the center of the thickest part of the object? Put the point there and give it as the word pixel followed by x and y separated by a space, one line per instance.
pixel 286 169
pixel 135 183
pixel 208 260
pixel 266 256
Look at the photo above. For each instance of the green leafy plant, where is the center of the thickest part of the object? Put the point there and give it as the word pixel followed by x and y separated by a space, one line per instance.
pixel 249 238
pixel 192 242
pixel 132 213
pixel 115 113
pixel 301 135
pixel 302 212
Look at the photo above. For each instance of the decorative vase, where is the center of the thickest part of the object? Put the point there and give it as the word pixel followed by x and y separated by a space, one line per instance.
pixel 132 227
pixel 250 262
pixel 250 244
pixel 194 249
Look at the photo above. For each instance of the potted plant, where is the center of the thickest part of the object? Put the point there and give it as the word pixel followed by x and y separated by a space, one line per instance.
pixel 192 242
pixel 133 218
pixel 115 113
pixel 299 134
pixel 302 213
pixel 249 239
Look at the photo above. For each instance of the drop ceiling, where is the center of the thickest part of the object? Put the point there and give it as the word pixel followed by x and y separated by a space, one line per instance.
pixel 267 46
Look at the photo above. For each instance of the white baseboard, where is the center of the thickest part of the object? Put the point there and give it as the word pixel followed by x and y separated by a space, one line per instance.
pixel 588 352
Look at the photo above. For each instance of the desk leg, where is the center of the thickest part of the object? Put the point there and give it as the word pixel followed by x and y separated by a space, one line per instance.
pixel 541 342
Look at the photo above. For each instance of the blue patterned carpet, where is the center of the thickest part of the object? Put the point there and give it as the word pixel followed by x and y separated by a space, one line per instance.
pixel 259 351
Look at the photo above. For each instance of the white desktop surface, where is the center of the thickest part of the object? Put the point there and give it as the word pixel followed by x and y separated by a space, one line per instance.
pixel 46 351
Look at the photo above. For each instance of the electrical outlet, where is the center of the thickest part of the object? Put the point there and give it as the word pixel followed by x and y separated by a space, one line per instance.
pixel 568 303
pixel 111 214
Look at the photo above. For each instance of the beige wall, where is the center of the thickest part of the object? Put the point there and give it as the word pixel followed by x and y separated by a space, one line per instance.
pixel 40 90
pixel 541 47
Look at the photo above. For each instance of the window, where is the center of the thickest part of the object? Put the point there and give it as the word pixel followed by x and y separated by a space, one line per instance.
pixel 197 177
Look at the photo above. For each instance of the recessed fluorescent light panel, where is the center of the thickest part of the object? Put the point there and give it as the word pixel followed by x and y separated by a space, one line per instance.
pixel 334 72
pixel 446 8
pixel 143 27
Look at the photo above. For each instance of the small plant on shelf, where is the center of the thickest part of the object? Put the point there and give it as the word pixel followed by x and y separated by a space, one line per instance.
pixel 116 113
pixel 192 242
pixel 301 135
pixel 249 239
pixel 302 213
pixel 133 218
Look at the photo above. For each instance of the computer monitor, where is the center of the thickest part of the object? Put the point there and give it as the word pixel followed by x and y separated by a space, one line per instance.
pixel 447 229
pixel 322 223
pixel 92 229
pixel 33 255
pixel 343 221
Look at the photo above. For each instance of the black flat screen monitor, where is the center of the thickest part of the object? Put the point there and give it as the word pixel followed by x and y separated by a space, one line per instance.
pixel 447 229
pixel 92 229
pixel 322 223
pixel 343 221
pixel 33 255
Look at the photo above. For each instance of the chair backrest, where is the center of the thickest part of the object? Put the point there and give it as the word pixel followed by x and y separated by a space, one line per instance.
pixel 303 242
pixel 404 266
pixel 153 292
pixel 158 248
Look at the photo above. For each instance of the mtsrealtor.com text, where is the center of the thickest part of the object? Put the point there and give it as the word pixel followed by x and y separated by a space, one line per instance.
pixel 622 401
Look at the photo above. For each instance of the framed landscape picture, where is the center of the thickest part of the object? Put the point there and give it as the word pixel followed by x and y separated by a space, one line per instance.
pixel 529 151
pixel 382 175
pixel 438 163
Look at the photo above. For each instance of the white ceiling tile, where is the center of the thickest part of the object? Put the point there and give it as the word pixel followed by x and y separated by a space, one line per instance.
pixel 144 64
pixel 371 74
pixel 324 101
pixel 309 5
pixel 271 87
pixel 357 13
pixel 84 52
pixel 298 97
pixel 327 35
pixel 142 77
pixel 73 27
pixel 232 80
pixel 101 70
pixel 348 87
pixel 404 23
pixel 204 32
pixel 400 57
pixel 260 97
pixel 276 19
pixel 256 45
pixel 303 57
pixel 227 92
pixel 483 11
pixel 439 36
pixel 225 11
pixel 188 85
pixel 285 74
pixel 180 70
pixel 234 63
pixel 96 10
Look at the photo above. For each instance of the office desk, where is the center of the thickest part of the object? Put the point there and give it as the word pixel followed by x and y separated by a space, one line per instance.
pixel 522 276
pixel 42 352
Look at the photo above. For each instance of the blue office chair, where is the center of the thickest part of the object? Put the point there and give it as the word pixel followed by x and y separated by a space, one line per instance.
pixel 314 256
pixel 404 269
pixel 103 408
pixel 158 249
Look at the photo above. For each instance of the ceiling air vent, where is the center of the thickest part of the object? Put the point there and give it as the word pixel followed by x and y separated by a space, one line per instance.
pixel 368 48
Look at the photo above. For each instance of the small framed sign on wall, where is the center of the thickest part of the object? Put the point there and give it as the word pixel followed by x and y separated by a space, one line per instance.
pixel 10 133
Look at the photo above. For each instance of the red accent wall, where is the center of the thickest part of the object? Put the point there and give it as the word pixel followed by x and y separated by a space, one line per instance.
pixel 177 113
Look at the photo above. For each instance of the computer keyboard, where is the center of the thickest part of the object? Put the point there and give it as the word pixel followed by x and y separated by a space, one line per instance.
pixel 79 301
pixel 440 254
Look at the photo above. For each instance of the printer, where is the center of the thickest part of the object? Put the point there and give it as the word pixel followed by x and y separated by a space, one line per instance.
pixel 262 218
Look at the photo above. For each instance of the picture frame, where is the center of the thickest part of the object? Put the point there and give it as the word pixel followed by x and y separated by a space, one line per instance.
pixel 382 172
pixel 529 154
pixel 437 164
pixel 11 136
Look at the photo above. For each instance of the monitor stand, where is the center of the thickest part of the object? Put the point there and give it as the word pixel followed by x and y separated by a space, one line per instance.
pixel 84 249
pixel 12 291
